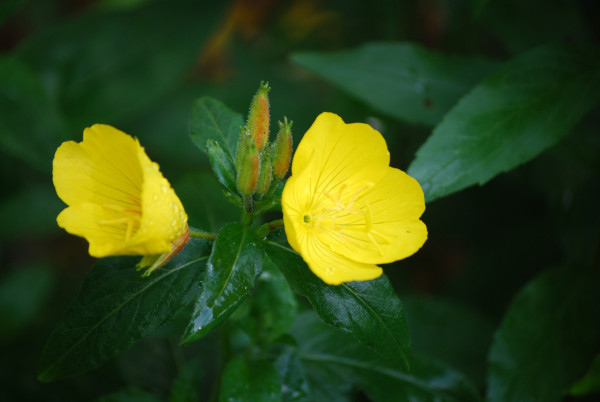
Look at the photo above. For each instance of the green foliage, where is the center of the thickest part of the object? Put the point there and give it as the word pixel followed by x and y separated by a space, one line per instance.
pixel 332 361
pixel 521 109
pixel 247 380
pixel 546 338
pixel 234 264
pixel 370 310
pixel 466 90
pixel 117 307
pixel 406 81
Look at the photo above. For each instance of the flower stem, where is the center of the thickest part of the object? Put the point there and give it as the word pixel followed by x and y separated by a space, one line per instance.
pixel 197 234
pixel 268 227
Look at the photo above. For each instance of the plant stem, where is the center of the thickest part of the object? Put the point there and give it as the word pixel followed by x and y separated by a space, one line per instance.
pixel 197 234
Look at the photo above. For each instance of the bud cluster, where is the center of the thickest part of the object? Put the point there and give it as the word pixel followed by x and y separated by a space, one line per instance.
pixel 261 164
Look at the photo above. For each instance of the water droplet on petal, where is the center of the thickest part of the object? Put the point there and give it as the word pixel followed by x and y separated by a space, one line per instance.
pixel 155 196
pixel 163 188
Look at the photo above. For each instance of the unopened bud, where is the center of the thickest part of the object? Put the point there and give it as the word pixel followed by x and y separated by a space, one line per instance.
pixel 247 165
pixel 266 174
pixel 258 118
pixel 282 149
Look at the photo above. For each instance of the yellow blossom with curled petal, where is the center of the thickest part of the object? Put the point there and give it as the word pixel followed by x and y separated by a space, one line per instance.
pixel 345 210
pixel 117 197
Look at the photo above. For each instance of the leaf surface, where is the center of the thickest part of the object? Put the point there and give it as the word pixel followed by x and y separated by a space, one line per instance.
pixel 547 338
pixel 232 269
pixel 368 310
pixel 117 307
pixel 401 80
pixel 212 120
pixel 331 358
pixel 521 109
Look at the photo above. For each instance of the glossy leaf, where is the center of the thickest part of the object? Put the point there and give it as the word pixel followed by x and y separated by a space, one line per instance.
pixel 402 80
pixel 212 120
pixel 222 165
pixel 117 307
pixel 234 264
pixel 509 118
pixel 248 380
pixel 368 310
pixel 274 303
pixel 294 384
pixel 331 357
pixel 547 338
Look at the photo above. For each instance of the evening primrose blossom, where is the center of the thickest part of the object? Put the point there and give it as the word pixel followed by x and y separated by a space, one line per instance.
pixel 344 208
pixel 117 197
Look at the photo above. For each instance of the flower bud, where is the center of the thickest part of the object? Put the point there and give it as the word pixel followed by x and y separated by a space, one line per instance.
pixel 258 118
pixel 282 149
pixel 247 165
pixel 266 173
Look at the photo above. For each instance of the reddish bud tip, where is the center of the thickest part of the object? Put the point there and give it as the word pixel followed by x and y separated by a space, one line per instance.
pixel 258 117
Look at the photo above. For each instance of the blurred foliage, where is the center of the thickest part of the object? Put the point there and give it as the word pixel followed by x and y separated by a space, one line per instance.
pixel 504 291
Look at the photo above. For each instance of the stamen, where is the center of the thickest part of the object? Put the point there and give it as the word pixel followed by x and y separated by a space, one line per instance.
pixel 129 217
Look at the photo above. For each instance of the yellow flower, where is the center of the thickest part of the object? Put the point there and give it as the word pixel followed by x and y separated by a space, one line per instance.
pixel 344 208
pixel 117 198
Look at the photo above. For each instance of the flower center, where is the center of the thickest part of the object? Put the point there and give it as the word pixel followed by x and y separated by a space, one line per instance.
pixel 128 217
pixel 341 216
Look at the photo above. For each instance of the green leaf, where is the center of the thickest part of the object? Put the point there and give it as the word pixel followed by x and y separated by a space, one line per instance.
pixel 130 394
pixel 249 380
pixel 401 80
pixel 331 358
pixel 547 338
pixel 186 386
pixel 368 310
pixel 222 165
pixel 212 120
pixel 235 262
pixel 23 293
pixel 509 118
pixel 466 334
pixel 590 383
pixel 274 303
pixel 294 384
pixel 117 307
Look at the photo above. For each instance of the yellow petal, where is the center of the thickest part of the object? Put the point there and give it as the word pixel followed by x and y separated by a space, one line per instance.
pixel 382 225
pixel 117 198
pixel 333 153
pixel 344 208
pixel 334 268
pixel 103 168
